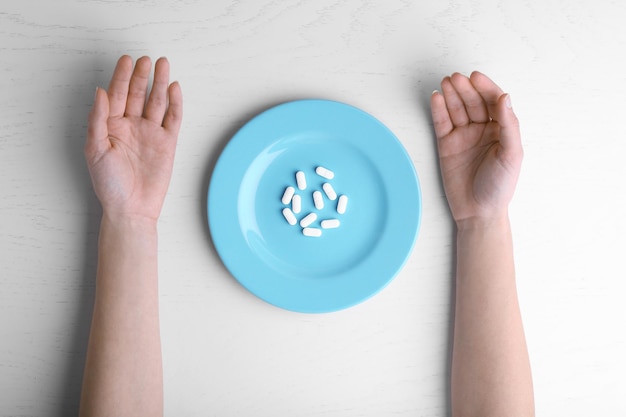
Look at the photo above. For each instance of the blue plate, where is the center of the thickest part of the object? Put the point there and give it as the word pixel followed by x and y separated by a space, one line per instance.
pixel 272 258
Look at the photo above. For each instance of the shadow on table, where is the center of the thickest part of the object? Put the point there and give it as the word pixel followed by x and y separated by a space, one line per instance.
pixel 423 84
pixel 79 93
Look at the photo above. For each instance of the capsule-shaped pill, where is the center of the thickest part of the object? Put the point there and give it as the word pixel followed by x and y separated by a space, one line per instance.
pixel 312 232
pixel 291 219
pixel 301 180
pixel 330 224
pixel 296 204
pixel 330 191
pixel 287 195
pixel 342 204
pixel 318 200
pixel 308 219
pixel 325 173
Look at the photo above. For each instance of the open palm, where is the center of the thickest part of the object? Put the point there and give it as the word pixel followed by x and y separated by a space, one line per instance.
pixel 479 145
pixel 131 141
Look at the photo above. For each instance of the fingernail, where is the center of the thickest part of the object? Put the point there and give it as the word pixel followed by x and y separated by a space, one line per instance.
pixel 435 92
pixel 508 101
pixel 95 94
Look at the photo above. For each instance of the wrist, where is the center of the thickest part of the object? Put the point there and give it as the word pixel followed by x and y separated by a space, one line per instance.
pixel 484 223
pixel 127 239
pixel 132 223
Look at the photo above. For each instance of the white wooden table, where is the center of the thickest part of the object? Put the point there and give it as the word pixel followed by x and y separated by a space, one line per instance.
pixel 226 353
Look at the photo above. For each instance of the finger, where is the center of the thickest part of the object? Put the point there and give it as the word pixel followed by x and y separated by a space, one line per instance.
pixel 97 132
pixel 510 138
pixel 174 115
pixel 455 105
pixel 441 118
pixel 157 102
pixel 488 90
pixel 118 87
pixel 475 106
pixel 138 88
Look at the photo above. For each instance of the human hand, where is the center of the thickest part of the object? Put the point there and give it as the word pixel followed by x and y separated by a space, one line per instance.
pixel 131 141
pixel 479 144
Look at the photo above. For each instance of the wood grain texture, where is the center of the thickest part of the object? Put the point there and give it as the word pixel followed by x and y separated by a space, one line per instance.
pixel 227 353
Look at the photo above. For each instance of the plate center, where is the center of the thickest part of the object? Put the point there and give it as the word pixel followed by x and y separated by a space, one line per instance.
pixel 282 246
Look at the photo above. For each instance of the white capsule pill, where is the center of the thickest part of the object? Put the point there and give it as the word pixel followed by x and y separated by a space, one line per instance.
pixel 288 194
pixel 312 232
pixel 308 219
pixel 291 219
pixel 330 224
pixel 301 180
pixel 318 200
pixel 325 173
pixel 330 191
pixel 342 204
pixel 296 204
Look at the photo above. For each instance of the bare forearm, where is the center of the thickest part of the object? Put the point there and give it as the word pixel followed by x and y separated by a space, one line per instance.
pixel 123 373
pixel 490 367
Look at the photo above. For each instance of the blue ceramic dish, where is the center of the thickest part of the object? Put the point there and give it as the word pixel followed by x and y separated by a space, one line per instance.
pixel 273 259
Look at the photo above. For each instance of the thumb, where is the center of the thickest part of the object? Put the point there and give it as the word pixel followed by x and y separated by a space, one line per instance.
pixel 97 131
pixel 510 137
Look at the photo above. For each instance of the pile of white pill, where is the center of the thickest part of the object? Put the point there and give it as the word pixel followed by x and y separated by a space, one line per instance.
pixel 293 200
